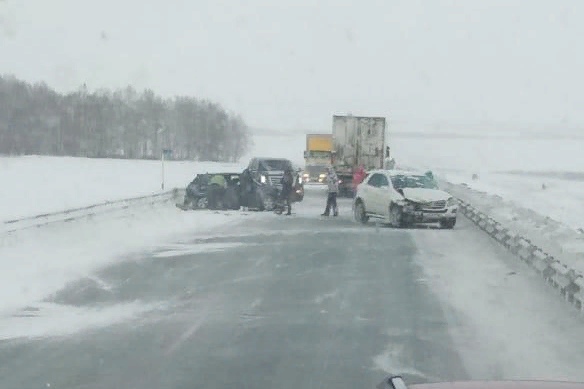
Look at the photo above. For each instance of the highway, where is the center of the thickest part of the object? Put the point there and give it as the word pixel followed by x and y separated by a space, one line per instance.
pixel 265 302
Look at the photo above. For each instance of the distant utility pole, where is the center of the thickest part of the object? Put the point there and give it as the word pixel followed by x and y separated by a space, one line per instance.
pixel 163 151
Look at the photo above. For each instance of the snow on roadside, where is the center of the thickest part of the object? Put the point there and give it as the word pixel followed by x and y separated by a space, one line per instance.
pixel 555 238
pixel 505 325
pixel 33 185
pixel 49 319
pixel 558 198
pixel 35 263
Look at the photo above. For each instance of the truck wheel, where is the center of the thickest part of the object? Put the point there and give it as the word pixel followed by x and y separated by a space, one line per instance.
pixel 360 212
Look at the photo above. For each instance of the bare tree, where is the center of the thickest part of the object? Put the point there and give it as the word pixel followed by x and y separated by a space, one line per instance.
pixel 34 119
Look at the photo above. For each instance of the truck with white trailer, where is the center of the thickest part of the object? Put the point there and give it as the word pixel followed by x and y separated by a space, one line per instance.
pixel 357 140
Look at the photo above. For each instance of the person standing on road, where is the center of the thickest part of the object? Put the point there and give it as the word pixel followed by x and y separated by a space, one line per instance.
pixel 287 182
pixel 216 191
pixel 358 177
pixel 332 181
pixel 246 188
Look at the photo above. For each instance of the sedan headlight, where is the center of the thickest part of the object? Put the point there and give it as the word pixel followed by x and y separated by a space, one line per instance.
pixel 451 202
pixel 263 179
pixel 402 202
pixel 408 207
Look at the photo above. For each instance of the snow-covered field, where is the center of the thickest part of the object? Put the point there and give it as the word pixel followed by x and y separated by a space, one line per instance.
pixel 33 185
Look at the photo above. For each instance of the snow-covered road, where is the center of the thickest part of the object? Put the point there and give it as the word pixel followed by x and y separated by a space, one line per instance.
pixel 428 303
pixel 292 302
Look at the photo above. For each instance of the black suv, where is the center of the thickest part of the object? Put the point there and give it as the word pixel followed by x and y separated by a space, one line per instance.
pixel 267 174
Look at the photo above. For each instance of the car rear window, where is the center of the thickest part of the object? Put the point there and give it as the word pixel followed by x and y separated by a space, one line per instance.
pixel 275 164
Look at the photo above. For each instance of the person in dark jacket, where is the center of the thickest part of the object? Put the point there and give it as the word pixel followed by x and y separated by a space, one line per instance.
pixel 216 191
pixel 287 182
pixel 231 199
pixel 247 189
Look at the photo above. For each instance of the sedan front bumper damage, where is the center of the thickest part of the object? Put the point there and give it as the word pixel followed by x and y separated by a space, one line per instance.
pixel 414 213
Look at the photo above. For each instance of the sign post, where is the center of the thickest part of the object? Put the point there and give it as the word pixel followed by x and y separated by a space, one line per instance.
pixel 166 153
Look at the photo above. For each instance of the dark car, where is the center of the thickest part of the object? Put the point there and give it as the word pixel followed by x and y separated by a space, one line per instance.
pixel 196 192
pixel 267 174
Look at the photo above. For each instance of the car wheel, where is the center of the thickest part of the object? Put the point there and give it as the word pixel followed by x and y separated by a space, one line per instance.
pixel 259 202
pixel 268 203
pixel 396 216
pixel 447 224
pixel 202 203
pixel 360 212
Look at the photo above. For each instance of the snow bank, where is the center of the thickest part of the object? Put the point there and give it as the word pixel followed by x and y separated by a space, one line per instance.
pixel 33 185
pixel 558 198
pixel 557 239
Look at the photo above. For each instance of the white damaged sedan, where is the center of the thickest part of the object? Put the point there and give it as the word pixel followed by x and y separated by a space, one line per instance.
pixel 403 198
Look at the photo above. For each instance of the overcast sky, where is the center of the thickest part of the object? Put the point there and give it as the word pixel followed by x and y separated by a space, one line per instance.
pixel 291 64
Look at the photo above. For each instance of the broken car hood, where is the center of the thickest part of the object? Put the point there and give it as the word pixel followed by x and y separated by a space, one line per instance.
pixel 423 195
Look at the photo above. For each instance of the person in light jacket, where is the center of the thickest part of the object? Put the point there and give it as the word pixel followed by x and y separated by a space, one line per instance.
pixel 332 181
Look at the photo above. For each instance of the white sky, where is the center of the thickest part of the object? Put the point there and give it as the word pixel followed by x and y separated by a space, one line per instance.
pixel 291 64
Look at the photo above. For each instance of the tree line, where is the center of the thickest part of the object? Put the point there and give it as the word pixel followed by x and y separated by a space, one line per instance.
pixel 125 123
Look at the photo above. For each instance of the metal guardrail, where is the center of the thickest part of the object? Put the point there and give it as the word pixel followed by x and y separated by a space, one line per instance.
pixel 85 212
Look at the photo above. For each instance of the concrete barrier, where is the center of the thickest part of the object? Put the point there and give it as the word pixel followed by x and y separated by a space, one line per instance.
pixel 86 212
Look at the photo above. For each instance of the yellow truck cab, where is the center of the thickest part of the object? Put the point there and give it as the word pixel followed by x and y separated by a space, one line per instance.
pixel 317 157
